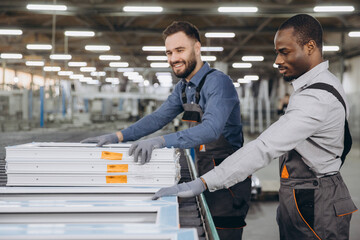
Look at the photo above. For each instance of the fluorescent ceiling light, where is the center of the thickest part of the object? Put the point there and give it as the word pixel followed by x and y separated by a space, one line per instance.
pixel 241 65
pixel 251 77
pixel 253 58
pixel 118 64
pixel 92 82
pixel 164 77
pixel 236 84
pixel 39 46
pixel 97 47
pixel 354 34
pixel 125 70
pixel 11 32
pixel 11 56
pixel 275 65
pixel 138 78
pixel 334 9
pixel 98 74
pixel 238 9
pixel 331 48
pixel 146 83
pixel 77 64
pixel 163 74
pixel 159 65
pixel 111 79
pixel 220 35
pixel 65 73
pixel 110 57
pixel 212 49
pixel 208 58
pixel 142 9
pixel 87 69
pixel 243 80
pixel 60 56
pixel 76 76
pixel 79 33
pixel 85 79
pixel 44 7
pixel 156 58
pixel 128 74
pixel 35 63
pixel 51 69
pixel 154 48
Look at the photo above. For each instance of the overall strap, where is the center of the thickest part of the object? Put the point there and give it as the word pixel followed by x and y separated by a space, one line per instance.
pixel 347 135
pixel 198 88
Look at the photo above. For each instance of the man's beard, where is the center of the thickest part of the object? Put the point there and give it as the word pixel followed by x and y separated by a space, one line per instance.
pixel 289 78
pixel 191 64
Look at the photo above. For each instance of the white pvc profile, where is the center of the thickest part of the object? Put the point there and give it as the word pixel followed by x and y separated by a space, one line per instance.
pixel 91 167
pixel 108 231
pixel 66 190
pixel 109 179
pixel 81 193
pixel 158 213
pixel 37 151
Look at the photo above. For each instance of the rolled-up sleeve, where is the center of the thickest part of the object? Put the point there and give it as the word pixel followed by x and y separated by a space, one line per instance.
pixel 221 98
pixel 304 116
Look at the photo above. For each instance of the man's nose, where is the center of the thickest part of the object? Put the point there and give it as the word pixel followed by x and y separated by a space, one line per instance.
pixel 279 60
pixel 173 58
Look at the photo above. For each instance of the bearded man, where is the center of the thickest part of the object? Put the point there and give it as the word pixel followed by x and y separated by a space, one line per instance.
pixel 211 108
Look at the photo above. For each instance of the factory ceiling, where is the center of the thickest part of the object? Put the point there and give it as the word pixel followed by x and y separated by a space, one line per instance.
pixel 127 32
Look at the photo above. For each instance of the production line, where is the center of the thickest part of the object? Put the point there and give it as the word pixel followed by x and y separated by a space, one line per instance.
pixel 112 209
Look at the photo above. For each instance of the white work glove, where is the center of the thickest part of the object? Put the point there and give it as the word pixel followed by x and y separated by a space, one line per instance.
pixel 102 140
pixel 184 190
pixel 145 147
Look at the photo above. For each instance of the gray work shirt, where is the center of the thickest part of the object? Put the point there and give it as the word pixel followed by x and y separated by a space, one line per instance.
pixel 313 125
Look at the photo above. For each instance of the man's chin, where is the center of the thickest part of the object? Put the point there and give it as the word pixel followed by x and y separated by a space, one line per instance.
pixel 288 78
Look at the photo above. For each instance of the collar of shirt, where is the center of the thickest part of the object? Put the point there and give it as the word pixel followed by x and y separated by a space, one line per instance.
pixel 306 79
pixel 195 80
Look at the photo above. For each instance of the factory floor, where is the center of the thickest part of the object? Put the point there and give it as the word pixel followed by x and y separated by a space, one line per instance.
pixel 261 222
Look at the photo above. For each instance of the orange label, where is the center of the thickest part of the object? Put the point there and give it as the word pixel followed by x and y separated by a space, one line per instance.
pixel 117 168
pixel 111 155
pixel 284 173
pixel 116 179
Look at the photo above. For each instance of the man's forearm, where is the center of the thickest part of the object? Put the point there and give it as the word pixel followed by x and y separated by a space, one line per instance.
pixel 120 136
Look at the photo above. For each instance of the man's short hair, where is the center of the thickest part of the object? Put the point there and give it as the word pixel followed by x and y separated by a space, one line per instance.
pixel 306 28
pixel 181 26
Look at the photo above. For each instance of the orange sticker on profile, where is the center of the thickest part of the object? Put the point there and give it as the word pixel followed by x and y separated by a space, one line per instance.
pixel 116 179
pixel 111 155
pixel 117 168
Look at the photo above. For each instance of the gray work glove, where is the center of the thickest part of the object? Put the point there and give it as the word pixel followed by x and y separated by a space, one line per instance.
pixel 103 139
pixel 145 147
pixel 184 190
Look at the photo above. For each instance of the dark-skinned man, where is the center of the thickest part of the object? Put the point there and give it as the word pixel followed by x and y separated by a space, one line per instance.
pixel 312 139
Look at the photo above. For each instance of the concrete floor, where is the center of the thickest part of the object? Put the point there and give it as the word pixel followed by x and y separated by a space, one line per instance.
pixel 261 223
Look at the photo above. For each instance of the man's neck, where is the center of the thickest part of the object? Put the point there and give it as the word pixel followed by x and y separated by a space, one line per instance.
pixel 197 68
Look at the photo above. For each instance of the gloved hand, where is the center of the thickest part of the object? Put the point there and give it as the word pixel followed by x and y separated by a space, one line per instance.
pixel 185 190
pixel 145 147
pixel 103 139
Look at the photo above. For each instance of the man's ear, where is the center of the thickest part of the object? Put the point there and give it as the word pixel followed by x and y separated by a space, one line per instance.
pixel 311 47
pixel 197 48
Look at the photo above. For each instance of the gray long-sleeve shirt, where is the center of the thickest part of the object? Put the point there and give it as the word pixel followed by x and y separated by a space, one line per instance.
pixel 313 125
